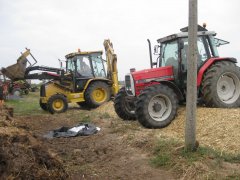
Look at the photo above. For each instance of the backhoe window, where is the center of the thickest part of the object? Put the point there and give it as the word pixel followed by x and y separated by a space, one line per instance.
pixel 98 66
pixel 70 65
pixel 83 66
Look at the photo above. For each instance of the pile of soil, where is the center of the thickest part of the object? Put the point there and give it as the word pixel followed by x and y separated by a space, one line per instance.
pixel 23 156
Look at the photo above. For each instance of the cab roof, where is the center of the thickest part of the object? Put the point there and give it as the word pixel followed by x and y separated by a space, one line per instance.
pixel 83 53
pixel 184 33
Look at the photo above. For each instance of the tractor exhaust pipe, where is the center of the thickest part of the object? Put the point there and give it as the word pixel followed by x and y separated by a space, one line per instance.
pixel 150 52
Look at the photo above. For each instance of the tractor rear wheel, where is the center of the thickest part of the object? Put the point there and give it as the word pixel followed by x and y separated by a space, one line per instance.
pixel 57 104
pixel 125 109
pixel 156 106
pixel 96 94
pixel 221 85
pixel 43 105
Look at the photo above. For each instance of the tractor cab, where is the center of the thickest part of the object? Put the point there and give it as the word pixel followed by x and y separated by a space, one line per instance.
pixel 86 64
pixel 175 47
pixel 173 51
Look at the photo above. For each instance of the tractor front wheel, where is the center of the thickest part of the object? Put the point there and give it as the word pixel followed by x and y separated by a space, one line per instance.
pixel 57 104
pixel 156 106
pixel 221 85
pixel 96 94
pixel 124 108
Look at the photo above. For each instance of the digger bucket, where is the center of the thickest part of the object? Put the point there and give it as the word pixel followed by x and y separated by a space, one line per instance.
pixel 17 71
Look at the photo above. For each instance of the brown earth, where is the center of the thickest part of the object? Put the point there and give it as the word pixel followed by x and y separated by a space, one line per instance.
pixel 23 156
pixel 109 154
pixel 123 149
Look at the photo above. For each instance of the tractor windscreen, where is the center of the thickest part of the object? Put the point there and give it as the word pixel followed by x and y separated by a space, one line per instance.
pixel 169 53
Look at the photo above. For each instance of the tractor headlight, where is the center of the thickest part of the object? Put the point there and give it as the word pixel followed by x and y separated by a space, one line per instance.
pixel 129 85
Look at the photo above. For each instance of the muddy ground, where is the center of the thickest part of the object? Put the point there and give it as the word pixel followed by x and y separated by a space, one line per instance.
pixel 113 153
pixel 123 149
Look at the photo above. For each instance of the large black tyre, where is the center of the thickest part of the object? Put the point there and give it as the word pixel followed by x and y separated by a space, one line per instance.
pixel 156 106
pixel 83 104
pixel 124 109
pixel 221 85
pixel 43 105
pixel 96 94
pixel 57 104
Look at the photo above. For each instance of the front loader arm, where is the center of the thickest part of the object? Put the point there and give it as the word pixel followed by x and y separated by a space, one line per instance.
pixel 20 71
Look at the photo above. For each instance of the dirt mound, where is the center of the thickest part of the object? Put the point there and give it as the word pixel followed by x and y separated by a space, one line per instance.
pixel 23 156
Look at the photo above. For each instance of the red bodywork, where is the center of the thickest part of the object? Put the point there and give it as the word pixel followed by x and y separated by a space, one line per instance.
pixel 149 77
pixel 206 65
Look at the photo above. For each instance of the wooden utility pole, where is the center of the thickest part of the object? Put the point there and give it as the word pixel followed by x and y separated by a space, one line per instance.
pixel 190 125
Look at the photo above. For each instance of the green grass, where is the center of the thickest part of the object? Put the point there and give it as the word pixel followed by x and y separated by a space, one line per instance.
pixel 163 153
pixel 170 154
pixel 26 105
pixel 166 151
pixel 29 105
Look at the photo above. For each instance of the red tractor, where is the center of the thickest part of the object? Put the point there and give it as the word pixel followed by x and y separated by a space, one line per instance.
pixel 152 95
pixel 16 88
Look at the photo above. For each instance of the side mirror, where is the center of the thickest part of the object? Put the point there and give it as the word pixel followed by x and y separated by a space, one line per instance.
pixel 181 44
pixel 60 63
pixel 154 63
pixel 156 49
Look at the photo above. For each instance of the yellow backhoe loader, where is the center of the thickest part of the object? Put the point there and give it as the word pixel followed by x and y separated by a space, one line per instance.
pixel 85 80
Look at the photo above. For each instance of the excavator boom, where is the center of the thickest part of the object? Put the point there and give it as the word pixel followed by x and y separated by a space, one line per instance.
pixel 111 58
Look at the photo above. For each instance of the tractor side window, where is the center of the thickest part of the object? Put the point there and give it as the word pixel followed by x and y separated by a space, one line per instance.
pixel 184 54
pixel 170 55
pixel 98 66
pixel 213 45
pixel 202 54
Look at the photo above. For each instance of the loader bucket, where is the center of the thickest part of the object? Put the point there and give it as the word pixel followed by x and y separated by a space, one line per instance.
pixel 17 71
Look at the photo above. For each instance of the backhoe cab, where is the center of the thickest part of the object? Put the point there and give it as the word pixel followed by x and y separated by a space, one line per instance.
pixel 152 95
pixel 86 64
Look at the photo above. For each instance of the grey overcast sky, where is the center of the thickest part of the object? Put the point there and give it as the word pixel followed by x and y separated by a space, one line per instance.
pixel 53 28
